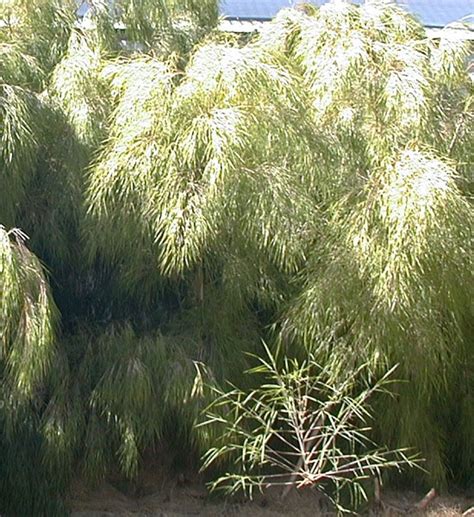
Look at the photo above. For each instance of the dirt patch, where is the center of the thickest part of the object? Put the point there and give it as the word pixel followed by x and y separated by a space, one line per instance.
pixel 159 494
pixel 179 498
pixel 403 503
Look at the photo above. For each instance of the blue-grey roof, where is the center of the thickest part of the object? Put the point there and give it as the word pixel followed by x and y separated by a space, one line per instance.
pixel 259 9
pixel 256 10
pixel 82 10
pixel 432 13
pixel 438 13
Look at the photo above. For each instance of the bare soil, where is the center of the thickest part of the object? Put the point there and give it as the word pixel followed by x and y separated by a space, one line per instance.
pixel 161 495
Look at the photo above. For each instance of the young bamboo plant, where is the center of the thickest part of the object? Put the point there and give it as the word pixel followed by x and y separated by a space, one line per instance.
pixel 299 429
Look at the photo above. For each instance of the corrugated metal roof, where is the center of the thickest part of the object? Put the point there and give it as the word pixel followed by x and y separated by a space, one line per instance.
pixel 438 13
pixel 432 13
pixel 256 10
pixel 82 10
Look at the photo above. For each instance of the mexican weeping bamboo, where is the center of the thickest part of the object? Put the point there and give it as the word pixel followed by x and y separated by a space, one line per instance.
pixel 188 194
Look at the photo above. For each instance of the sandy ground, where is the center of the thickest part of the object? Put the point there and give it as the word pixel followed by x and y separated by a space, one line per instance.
pixel 159 496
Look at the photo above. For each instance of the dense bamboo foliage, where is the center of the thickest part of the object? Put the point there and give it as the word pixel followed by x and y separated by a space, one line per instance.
pixel 190 194
pixel 27 319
